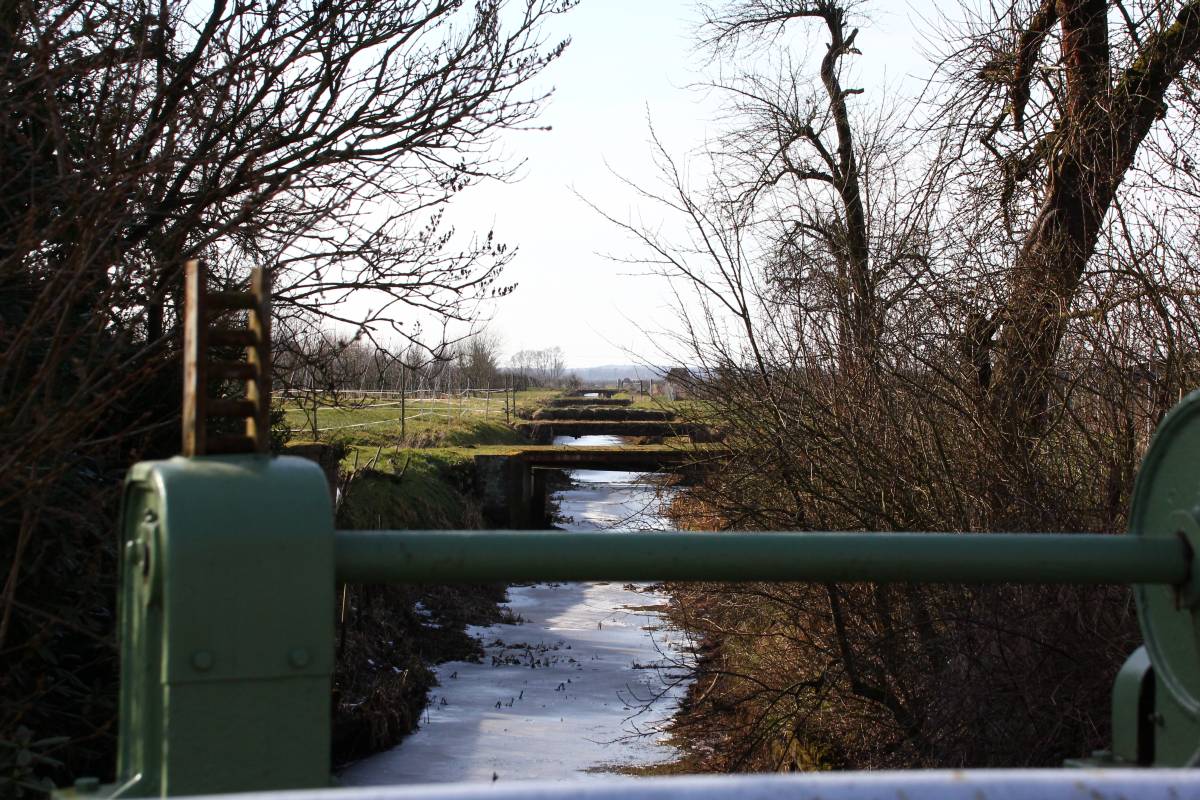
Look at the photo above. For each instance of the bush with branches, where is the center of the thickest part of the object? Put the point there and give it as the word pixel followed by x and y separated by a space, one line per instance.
pixel 320 140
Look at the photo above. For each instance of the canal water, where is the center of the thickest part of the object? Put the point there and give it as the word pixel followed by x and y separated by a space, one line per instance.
pixel 582 685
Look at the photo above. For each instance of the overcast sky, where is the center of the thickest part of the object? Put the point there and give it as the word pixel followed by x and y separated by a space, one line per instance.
pixel 629 60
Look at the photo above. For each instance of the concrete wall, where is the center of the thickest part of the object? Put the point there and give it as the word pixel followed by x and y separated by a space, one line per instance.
pixel 511 493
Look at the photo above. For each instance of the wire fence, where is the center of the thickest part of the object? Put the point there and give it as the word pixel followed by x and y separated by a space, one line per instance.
pixel 409 404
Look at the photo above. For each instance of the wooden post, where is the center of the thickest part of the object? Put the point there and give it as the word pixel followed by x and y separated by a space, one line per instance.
pixel 195 327
pixel 403 411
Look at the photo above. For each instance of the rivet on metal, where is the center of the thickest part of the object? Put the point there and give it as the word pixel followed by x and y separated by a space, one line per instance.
pixel 298 657
pixel 202 660
pixel 87 785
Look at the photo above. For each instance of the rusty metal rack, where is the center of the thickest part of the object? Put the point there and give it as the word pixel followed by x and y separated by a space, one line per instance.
pixel 203 310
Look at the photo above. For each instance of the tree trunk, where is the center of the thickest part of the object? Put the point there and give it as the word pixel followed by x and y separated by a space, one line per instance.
pixel 860 314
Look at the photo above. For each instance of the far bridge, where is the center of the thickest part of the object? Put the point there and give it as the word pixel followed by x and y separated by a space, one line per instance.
pixel 559 402
pixel 593 391
pixel 545 431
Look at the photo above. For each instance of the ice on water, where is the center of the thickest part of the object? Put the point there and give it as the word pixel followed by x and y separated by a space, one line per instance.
pixel 563 695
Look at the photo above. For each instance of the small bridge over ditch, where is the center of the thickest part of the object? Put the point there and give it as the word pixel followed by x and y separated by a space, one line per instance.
pixel 560 402
pixel 512 486
pixel 544 431
pixel 575 415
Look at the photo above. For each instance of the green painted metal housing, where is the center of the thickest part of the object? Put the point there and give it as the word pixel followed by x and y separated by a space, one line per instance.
pixel 227 626
pixel 1166 507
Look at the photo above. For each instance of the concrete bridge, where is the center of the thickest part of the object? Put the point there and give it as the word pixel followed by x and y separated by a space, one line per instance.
pixel 544 431
pixel 560 402
pixel 609 413
pixel 512 486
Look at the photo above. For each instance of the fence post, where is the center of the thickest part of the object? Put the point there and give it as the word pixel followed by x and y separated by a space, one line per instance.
pixel 403 392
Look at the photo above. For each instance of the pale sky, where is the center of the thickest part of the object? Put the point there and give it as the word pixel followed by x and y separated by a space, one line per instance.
pixel 628 59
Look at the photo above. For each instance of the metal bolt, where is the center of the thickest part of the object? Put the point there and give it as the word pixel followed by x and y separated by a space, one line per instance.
pixel 299 657
pixel 202 660
pixel 87 785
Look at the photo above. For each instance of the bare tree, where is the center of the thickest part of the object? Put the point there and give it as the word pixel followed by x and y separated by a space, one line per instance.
pixel 543 367
pixel 478 360
pixel 805 142
pixel 1064 96
pixel 797 676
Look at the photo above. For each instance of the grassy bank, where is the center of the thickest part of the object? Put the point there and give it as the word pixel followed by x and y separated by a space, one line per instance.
pixel 416 422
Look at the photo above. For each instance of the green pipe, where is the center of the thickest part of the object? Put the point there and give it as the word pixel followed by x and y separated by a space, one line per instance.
pixel 495 556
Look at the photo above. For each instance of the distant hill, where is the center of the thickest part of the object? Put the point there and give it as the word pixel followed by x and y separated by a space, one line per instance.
pixel 613 372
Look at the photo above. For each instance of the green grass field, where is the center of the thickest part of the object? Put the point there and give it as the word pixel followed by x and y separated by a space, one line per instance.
pixel 426 422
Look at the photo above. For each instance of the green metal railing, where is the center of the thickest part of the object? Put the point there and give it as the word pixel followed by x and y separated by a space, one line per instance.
pixel 482 556
pixel 231 565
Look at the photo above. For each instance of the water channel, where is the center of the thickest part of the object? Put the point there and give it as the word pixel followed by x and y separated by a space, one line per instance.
pixel 565 693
